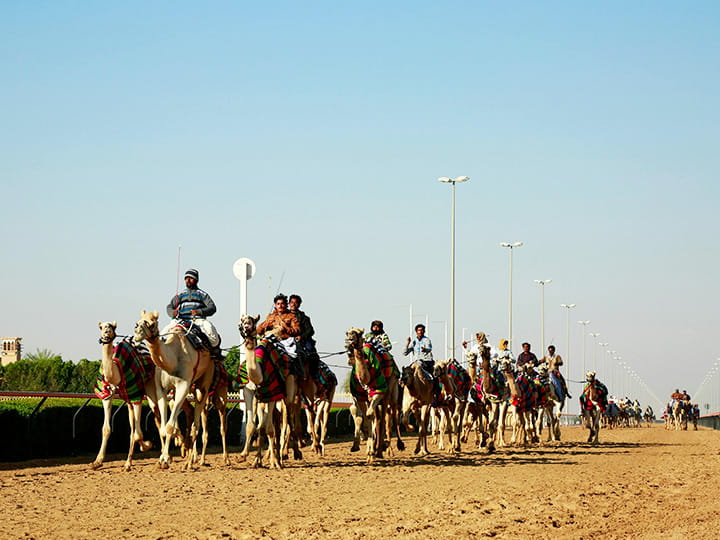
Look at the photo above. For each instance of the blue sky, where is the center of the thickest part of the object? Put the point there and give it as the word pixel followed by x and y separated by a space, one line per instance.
pixel 309 138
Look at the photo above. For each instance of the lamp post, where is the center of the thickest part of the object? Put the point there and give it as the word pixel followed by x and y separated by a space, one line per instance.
pixel 601 345
pixel 542 283
pixel 510 246
pixel 452 181
pixel 594 335
pixel 568 307
pixel 584 370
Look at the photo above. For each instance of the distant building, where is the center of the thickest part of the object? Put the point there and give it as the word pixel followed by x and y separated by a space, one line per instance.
pixel 11 350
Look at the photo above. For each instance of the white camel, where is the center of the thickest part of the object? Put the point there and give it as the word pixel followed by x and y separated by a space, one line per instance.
pixel 115 374
pixel 181 366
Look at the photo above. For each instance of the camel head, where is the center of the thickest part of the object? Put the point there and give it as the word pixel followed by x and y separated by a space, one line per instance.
pixel 590 376
pixel 248 326
pixel 354 338
pixel 147 326
pixel 506 365
pixel 107 332
pixel 543 370
pixel 471 356
pixel 440 368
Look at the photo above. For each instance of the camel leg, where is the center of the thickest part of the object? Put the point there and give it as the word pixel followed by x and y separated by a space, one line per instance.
pixel 169 428
pixel 457 420
pixel 107 409
pixel 275 460
pixel 136 434
pixel 221 407
pixel 358 410
pixel 205 436
pixel 250 413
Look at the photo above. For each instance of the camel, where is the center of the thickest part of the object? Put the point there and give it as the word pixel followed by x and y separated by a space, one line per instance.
pixel 266 375
pixel 219 399
pixel 560 394
pixel 521 403
pixel 456 385
pixel 181 366
pixel 490 387
pixel 377 373
pixel 680 414
pixel 326 384
pixel 547 400
pixel 419 398
pixel 117 376
pixel 649 416
pixel 593 403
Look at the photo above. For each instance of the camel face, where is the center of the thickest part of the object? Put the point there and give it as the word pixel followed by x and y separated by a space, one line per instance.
pixel 146 327
pixel 353 338
pixel 107 331
pixel 543 370
pixel 590 376
pixel 247 325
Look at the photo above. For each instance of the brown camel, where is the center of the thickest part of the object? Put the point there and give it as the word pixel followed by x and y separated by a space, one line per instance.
pixel 181 366
pixel 219 399
pixel 593 402
pixel 456 387
pixel 326 385
pixel 520 403
pixel 418 398
pixel 377 374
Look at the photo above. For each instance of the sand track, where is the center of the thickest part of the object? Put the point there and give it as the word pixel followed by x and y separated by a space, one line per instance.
pixel 638 483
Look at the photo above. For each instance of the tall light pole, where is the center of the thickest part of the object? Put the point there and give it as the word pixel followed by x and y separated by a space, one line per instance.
pixel 601 345
pixel 542 283
pixel 584 370
pixel 568 307
pixel 452 181
pixel 511 246
pixel 594 336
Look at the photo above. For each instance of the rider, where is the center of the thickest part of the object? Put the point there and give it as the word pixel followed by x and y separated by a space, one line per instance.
pixel 676 395
pixel 377 333
pixel 556 360
pixel 282 323
pixel 421 349
pixel 475 349
pixel 305 341
pixel 194 304
pixel 527 357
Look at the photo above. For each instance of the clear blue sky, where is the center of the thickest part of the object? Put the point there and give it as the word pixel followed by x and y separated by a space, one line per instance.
pixel 309 137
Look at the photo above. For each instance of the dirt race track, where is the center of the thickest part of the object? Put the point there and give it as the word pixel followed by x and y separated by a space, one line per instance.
pixel 638 483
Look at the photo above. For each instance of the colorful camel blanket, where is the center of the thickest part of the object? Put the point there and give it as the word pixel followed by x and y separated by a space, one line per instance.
pixel 541 391
pixel 381 366
pixel 460 378
pixel 587 403
pixel 135 366
pixel 241 379
pixel 496 389
pixel 325 380
pixel 524 399
pixel 274 363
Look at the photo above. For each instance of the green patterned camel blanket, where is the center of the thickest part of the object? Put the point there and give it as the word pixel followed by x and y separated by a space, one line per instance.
pixel 135 366
pixel 274 363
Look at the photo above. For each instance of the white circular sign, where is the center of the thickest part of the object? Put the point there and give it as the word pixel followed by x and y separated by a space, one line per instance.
pixel 244 268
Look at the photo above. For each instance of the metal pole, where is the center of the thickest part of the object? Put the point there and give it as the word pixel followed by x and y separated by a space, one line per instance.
pixel 510 332
pixel 452 276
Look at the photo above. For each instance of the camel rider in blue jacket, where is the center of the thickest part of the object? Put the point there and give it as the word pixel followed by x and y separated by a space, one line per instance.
pixel 194 304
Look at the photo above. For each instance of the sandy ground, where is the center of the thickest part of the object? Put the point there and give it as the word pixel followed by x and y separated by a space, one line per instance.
pixel 638 483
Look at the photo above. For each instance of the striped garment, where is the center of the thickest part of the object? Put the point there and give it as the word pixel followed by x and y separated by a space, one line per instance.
pixel 275 366
pixel 524 399
pixel 461 378
pixel 497 386
pixel 541 392
pixel 602 391
pixel 135 366
pixel 220 377
pixel 325 380
pixel 242 375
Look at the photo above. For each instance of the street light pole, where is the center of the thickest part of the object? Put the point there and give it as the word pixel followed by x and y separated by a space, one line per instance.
pixel 601 345
pixel 542 283
pixel 568 307
pixel 452 181
pixel 594 336
pixel 510 246
pixel 584 323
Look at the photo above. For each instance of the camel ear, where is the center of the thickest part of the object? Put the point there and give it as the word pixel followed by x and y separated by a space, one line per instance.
pixel 155 314
pixel 114 325
pixel 142 314
pixel 362 330
pixel 99 325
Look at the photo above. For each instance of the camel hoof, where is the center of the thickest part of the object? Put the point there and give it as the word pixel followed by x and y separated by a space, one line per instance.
pixel 297 454
pixel 127 467
pixel 355 448
pixel 145 446
pixel 400 445
pixel 95 465
pixel 242 458
pixel 163 465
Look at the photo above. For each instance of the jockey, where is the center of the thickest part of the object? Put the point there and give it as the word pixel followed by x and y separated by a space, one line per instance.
pixel 557 361
pixel 676 395
pixel 527 357
pixel 305 341
pixel 378 334
pixel 421 349
pixel 194 304
pixel 476 348
pixel 283 324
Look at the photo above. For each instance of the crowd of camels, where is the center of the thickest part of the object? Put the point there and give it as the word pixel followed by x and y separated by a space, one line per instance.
pixel 166 370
